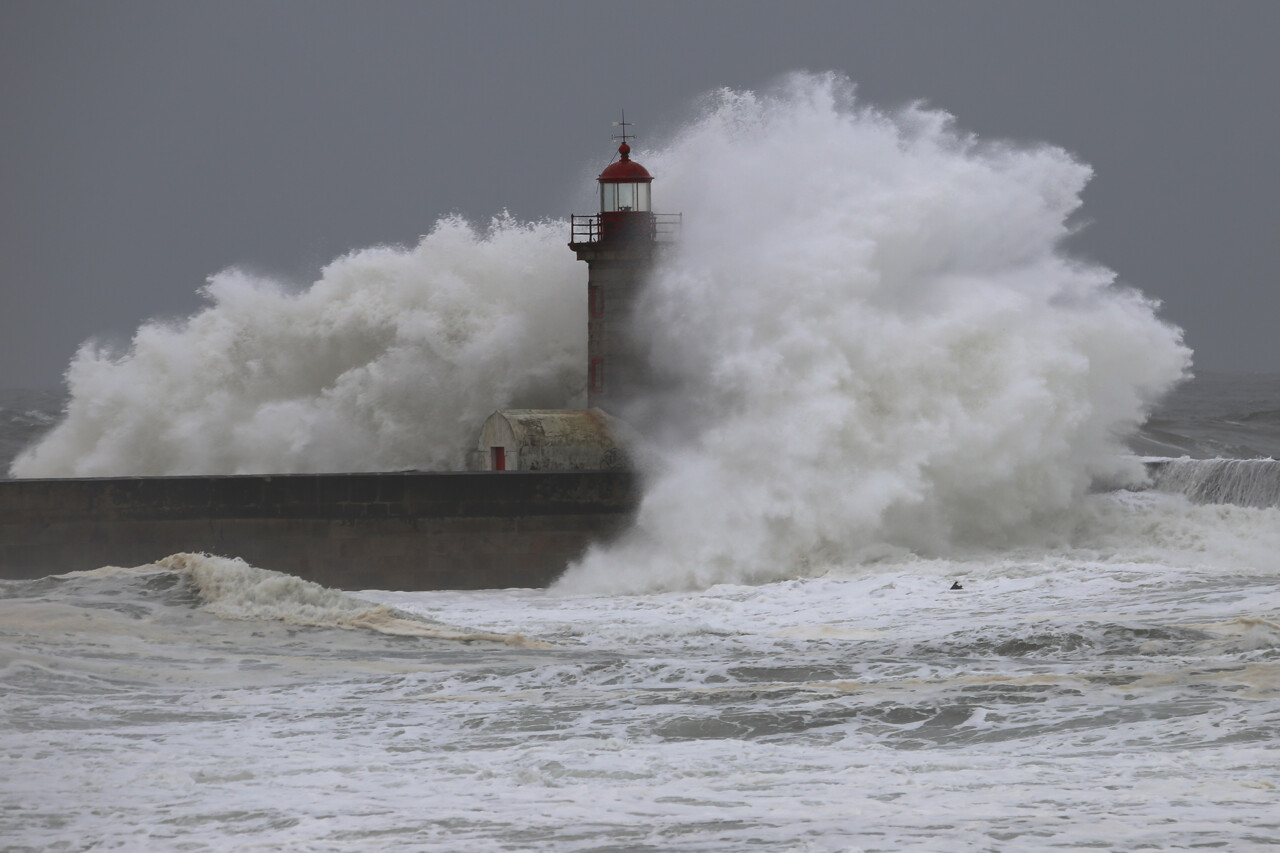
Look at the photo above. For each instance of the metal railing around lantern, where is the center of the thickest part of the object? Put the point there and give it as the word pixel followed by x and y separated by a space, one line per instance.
pixel 586 228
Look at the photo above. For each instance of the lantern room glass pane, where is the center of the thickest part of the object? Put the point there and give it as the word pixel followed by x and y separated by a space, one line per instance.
pixel 642 197
pixel 626 196
pixel 608 197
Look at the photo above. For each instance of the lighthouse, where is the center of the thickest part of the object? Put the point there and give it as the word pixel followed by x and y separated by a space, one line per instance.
pixel 619 244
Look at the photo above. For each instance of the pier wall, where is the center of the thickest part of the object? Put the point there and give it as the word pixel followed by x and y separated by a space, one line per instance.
pixel 405 531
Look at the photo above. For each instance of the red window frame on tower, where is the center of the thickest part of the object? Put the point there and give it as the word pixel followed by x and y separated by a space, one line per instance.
pixel 596 379
pixel 595 297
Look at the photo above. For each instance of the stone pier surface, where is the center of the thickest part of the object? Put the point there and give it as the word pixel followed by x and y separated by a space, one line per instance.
pixel 402 531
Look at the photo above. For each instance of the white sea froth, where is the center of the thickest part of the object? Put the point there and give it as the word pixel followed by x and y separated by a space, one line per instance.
pixel 1100 695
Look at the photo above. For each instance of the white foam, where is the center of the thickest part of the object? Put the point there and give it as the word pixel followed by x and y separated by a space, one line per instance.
pixel 1170 529
pixel 1073 698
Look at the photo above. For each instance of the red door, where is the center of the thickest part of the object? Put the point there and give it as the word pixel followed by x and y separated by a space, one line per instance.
pixel 498 458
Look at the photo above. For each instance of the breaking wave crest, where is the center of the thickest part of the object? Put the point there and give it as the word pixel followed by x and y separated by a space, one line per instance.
pixel 233 589
pixel 1243 482
pixel 230 588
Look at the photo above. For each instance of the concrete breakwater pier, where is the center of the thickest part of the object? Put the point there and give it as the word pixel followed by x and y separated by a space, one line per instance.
pixel 401 530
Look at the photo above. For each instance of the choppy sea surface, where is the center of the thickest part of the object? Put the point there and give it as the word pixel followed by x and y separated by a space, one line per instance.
pixel 1120 691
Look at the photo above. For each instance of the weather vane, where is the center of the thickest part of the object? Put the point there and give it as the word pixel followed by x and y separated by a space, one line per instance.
pixel 624 124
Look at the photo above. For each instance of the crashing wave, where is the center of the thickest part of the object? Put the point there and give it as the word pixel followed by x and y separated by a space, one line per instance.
pixel 1243 482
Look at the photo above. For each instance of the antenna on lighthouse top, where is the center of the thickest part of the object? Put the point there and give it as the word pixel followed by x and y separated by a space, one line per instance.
pixel 624 124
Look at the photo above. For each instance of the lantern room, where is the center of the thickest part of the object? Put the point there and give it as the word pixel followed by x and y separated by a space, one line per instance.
pixel 626 217
pixel 624 185
pixel 625 201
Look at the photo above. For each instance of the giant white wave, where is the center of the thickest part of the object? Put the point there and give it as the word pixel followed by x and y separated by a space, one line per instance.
pixel 876 339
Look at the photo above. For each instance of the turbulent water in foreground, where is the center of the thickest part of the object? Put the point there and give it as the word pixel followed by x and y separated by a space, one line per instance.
pixel 1120 695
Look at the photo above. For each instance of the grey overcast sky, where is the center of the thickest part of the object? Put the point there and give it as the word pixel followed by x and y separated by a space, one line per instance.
pixel 146 145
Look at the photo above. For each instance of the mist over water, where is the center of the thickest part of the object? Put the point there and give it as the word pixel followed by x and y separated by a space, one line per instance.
pixel 870 339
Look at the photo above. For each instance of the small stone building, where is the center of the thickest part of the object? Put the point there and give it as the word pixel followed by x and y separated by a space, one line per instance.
pixel 550 440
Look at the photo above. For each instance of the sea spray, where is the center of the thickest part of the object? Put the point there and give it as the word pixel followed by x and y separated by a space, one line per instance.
pixel 390 360
pixel 875 340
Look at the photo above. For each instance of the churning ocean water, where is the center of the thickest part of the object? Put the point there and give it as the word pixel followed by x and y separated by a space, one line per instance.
pixel 886 378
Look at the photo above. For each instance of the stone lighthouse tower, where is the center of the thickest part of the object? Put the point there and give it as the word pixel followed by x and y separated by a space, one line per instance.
pixel 619 245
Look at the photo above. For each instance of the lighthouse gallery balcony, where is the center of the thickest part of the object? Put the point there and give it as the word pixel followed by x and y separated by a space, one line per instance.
pixel 660 227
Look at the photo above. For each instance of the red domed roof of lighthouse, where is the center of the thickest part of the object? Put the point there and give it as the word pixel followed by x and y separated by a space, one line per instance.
pixel 625 171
